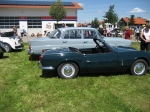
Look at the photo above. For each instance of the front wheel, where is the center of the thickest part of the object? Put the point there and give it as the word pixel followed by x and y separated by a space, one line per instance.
pixel 7 47
pixel 139 67
pixel 68 70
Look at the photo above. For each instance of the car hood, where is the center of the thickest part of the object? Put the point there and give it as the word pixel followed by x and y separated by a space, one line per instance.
pixel 123 49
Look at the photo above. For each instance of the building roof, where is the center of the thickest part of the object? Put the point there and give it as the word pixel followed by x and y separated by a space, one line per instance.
pixel 36 4
pixel 139 21
pixel 136 20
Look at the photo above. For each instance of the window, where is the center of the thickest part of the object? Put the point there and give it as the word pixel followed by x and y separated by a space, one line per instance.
pixel 9 22
pixel 89 34
pixel 73 34
pixel 34 22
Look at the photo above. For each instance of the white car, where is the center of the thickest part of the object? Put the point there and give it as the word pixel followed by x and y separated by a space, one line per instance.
pixel 10 41
pixel 78 37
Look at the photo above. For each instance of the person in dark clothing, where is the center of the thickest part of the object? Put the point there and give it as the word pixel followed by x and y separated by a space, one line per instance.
pixel 93 26
pixel 101 31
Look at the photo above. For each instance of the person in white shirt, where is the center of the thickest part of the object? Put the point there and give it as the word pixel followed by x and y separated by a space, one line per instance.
pixel 145 38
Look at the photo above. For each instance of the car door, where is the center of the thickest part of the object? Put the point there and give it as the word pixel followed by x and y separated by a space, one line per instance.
pixel 101 62
pixel 73 38
pixel 88 36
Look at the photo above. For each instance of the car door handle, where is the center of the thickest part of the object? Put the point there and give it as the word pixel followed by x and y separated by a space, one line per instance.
pixel 85 41
pixel 64 41
pixel 88 61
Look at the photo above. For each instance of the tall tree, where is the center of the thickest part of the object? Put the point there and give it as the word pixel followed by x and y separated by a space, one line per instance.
pixel 131 20
pixel 111 16
pixel 58 11
pixel 95 22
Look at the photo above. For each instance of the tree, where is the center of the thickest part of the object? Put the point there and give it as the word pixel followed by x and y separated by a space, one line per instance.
pixel 57 11
pixel 95 22
pixel 131 20
pixel 111 16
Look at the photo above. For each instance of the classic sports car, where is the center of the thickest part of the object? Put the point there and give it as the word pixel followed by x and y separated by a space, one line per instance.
pixel 69 62
pixel 2 49
pixel 78 37
pixel 10 41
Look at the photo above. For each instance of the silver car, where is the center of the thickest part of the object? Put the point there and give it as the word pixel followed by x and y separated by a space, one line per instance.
pixel 78 37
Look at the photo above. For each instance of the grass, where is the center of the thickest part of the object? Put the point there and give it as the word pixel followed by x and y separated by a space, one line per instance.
pixel 23 88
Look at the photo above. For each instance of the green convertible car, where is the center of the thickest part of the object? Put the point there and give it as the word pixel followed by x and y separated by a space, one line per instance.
pixel 70 61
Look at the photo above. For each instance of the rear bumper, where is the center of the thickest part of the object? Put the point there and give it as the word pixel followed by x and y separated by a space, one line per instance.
pixel 30 51
pixel 45 68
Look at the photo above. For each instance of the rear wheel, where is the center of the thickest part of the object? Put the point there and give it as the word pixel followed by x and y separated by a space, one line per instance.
pixel 139 67
pixel 68 70
pixel 7 47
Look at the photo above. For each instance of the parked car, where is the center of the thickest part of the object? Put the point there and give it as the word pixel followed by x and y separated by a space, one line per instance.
pixel 69 62
pixel 2 49
pixel 116 32
pixel 11 41
pixel 79 37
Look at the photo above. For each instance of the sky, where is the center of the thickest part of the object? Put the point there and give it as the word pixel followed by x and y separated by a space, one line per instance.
pixel 124 8
pixel 98 8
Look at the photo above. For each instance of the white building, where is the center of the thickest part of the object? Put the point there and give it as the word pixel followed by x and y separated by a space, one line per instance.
pixel 34 16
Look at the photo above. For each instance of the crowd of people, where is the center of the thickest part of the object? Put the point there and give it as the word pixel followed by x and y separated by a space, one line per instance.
pixel 141 34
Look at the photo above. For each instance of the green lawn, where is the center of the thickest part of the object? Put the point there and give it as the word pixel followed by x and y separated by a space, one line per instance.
pixel 24 88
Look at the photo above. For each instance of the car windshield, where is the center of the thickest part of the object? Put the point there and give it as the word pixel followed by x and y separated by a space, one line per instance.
pixel 7 34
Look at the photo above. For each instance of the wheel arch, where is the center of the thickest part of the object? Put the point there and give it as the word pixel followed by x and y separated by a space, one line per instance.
pixel 73 61
pixel 143 58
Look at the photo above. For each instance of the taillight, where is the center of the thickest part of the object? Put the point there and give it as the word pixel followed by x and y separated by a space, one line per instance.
pixel 43 50
pixel 40 57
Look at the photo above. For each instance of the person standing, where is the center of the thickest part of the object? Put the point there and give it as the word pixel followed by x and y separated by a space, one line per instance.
pixel 145 38
pixel 137 33
pixel 106 31
pixel 128 33
pixel 101 31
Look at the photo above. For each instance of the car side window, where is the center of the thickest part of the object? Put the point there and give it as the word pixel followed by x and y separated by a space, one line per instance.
pixel 89 34
pixel 73 34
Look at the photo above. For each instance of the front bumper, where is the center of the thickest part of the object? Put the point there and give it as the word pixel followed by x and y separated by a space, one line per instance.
pixel 21 46
pixel 45 68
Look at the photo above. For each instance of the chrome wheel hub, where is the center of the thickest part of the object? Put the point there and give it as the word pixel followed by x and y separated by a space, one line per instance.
pixel 68 70
pixel 139 68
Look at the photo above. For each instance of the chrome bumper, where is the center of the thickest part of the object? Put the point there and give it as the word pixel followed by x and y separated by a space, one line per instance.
pixel 21 46
pixel 45 68
pixel 30 51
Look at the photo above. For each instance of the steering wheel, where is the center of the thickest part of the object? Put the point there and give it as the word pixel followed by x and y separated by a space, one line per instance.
pixel 98 49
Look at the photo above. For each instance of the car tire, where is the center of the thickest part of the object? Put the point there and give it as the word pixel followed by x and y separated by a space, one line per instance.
pixel 7 47
pixel 67 70
pixel 1 55
pixel 139 67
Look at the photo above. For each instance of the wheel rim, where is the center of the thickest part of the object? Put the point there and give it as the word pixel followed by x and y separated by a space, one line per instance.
pixel 139 68
pixel 68 70
pixel 7 48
